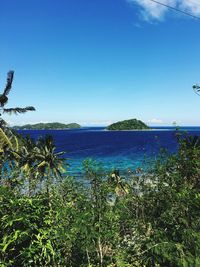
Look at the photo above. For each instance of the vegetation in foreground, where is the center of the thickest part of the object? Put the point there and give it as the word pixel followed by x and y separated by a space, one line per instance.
pixel 50 219
pixel 132 124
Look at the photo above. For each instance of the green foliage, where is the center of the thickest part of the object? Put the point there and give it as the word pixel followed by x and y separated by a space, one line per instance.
pixel 103 220
pixel 132 124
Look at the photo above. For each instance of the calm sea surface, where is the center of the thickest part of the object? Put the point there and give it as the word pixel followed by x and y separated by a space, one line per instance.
pixel 121 150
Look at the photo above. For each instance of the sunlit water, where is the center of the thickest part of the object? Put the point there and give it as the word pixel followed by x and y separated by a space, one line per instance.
pixel 122 150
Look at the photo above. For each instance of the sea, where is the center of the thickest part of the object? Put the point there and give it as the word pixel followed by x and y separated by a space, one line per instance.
pixel 124 151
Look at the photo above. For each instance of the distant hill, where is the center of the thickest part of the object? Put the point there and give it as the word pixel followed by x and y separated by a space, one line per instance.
pixel 132 124
pixel 47 126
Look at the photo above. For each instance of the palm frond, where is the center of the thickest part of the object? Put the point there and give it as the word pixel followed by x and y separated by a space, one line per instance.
pixel 195 86
pixel 30 108
pixel 196 89
pixel 8 87
pixel 3 100
pixel 4 140
pixel 3 97
pixel 18 110
pixel 3 124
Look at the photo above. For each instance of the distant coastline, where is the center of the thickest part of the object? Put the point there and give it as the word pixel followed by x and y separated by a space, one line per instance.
pixel 48 126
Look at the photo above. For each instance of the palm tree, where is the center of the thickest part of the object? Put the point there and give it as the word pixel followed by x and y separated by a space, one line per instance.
pixel 34 160
pixel 4 98
pixel 38 163
pixel 26 162
pixel 50 163
pixel 7 137
pixel 9 142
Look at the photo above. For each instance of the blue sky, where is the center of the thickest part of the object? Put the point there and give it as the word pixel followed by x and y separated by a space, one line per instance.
pixel 100 61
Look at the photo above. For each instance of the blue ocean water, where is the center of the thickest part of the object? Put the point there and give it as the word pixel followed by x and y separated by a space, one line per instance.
pixel 122 150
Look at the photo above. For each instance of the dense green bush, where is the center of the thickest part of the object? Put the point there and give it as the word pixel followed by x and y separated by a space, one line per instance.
pixel 50 219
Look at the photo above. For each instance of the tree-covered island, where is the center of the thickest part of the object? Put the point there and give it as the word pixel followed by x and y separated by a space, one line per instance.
pixel 132 124
pixel 48 126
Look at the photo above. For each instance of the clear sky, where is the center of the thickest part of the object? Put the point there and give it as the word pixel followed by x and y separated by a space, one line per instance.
pixel 100 61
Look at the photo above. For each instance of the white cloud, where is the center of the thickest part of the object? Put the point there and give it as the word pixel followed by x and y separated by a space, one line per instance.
pixel 151 10
pixel 156 121
pixel 192 6
pixel 21 123
pixel 95 123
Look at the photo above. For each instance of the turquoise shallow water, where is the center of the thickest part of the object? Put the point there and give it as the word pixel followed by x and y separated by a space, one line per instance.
pixel 122 150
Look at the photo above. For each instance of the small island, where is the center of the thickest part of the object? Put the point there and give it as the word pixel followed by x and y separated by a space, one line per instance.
pixel 47 126
pixel 132 124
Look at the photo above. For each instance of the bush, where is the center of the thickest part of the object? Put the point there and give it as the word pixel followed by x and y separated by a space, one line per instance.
pixel 151 219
